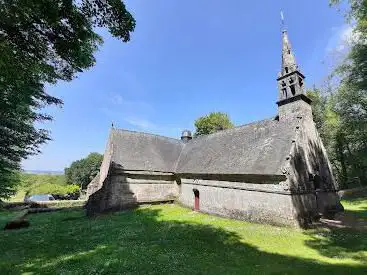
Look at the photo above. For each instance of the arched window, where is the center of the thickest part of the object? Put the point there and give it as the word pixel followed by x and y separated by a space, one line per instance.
pixel 197 200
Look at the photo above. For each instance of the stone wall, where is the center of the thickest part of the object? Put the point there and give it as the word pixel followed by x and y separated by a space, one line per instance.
pixel 328 203
pixel 264 203
pixel 293 108
pixel 98 181
pixel 244 204
pixel 126 189
pixel 318 160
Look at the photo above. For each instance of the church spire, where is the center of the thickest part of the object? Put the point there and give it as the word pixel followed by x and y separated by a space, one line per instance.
pixel 290 79
pixel 292 99
pixel 289 63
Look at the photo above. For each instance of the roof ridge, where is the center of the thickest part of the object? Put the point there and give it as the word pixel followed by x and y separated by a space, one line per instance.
pixel 145 133
pixel 196 138
pixel 231 129
pixel 178 158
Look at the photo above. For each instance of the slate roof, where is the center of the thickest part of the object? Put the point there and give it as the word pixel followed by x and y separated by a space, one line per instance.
pixel 142 151
pixel 256 148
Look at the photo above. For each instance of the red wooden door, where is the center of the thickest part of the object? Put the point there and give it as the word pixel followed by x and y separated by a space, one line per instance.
pixel 197 200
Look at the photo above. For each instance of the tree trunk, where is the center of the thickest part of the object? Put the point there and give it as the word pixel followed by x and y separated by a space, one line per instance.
pixel 342 160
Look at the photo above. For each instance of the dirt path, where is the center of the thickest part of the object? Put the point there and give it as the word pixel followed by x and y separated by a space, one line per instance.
pixel 346 219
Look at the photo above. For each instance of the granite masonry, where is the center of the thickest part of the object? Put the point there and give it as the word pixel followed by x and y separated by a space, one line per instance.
pixel 272 171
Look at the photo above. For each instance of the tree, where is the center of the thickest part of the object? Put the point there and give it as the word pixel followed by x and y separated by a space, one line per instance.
pixel 44 41
pixel 343 143
pixel 351 95
pixel 211 123
pixel 319 102
pixel 82 171
pixel 354 69
pixel 32 184
pixel 328 124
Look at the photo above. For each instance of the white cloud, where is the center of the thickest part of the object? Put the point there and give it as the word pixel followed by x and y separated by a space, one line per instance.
pixel 342 39
pixel 146 125
pixel 120 109
pixel 141 123
pixel 136 114
pixel 129 105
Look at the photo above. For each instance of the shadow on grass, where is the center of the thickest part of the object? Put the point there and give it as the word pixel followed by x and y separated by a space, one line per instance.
pixel 350 241
pixel 340 243
pixel 141 242
pixel 357 207
pixel 359 214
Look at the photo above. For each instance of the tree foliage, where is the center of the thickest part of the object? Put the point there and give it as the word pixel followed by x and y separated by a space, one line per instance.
pixel 82 171
pixel 345 118
pixel 211 123
pixel 44 41
pixel 342 143
pixel 46 184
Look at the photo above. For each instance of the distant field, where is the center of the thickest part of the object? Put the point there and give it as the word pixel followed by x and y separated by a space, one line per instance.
pixel 44 172
pixel 42 184
pixel 168 239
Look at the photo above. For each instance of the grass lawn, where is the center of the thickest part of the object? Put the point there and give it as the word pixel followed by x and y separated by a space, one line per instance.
pixel 168 239
pixel 357 208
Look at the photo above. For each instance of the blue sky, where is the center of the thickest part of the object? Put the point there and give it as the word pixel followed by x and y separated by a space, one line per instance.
pixel 186 59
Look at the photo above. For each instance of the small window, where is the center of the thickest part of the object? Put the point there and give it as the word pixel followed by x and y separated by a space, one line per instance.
pixel 284 90
pixel 286 70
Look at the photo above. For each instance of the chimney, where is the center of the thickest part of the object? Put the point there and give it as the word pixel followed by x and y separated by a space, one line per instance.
pixel 186 135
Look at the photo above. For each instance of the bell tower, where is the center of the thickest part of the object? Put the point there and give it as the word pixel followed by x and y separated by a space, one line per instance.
pixel 291 93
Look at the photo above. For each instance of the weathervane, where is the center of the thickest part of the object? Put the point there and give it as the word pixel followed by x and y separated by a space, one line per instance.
pixel 282 18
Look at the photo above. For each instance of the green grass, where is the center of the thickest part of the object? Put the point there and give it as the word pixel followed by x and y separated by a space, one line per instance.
pixel 168 239
pixel 356 207
pixel 62 204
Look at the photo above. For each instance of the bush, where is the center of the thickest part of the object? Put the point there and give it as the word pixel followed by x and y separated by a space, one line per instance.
pixel 50 188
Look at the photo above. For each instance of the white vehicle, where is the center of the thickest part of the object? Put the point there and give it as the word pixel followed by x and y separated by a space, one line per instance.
pixel 39 198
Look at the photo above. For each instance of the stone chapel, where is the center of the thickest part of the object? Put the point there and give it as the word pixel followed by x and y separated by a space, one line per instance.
pixel 272 171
